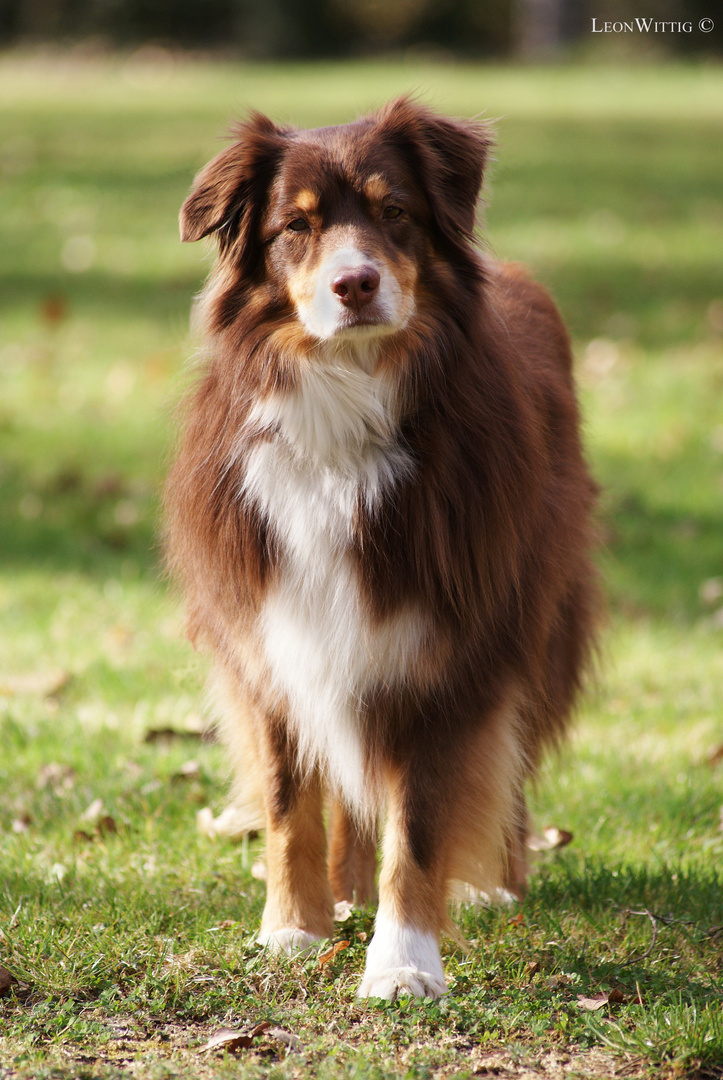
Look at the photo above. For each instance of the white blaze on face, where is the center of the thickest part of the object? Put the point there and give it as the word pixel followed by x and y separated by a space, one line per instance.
pixel 323 314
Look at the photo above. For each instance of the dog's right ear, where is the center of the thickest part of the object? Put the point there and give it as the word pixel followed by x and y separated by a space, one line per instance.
pixel 227 193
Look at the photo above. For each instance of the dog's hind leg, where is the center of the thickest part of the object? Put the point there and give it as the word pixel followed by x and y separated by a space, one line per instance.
pixel 352 858
pixel 516 865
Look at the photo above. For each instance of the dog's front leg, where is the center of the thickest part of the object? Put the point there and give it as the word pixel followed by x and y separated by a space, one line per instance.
pixel 299 906
pixel 403 957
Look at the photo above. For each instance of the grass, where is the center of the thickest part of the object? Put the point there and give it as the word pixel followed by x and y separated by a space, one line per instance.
pixel 128 931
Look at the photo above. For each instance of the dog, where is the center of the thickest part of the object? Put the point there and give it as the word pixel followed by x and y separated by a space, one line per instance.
pixel 381 517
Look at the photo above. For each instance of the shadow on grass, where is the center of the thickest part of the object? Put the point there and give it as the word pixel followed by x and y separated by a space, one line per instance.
pixel 658 550
pixel 656 555
pixel 101 294
pixel 70 525
pixel 665 304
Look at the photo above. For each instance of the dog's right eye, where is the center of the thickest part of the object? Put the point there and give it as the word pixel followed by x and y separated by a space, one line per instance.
pixel 298 225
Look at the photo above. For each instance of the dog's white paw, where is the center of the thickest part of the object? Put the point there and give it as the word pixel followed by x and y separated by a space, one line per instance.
pixel 289 940
pixel 402 960
pixel 401 982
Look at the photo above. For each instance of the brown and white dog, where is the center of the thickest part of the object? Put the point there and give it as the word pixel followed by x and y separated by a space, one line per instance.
pixel 380 514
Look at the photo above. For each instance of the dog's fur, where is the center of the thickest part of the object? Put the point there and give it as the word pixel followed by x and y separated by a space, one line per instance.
pixel 380 514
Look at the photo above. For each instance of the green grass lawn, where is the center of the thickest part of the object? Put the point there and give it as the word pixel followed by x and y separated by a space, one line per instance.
pixel 128 931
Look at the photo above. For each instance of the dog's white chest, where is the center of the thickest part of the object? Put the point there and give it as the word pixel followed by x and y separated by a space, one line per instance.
pixel 323 652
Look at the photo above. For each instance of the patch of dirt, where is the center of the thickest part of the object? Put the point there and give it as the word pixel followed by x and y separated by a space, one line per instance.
pixel 552 1065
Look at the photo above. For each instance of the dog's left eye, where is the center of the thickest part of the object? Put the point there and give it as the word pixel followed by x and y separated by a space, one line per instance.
pixel 298 225
pixel 392 212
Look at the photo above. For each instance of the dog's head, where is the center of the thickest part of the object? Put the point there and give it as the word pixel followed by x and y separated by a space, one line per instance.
pixel 338 226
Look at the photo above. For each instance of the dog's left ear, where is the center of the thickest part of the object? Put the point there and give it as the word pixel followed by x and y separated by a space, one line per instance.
pixel 228 191
pixel 450 157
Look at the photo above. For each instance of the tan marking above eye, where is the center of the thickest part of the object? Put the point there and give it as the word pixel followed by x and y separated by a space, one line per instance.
pixel 376 188
pixel 307 201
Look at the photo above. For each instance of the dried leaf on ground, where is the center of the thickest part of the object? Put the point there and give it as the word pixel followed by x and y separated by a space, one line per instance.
pixel 287 1037
pixel 608 997
pixel 551 839
pixel 93 813
pixel 7 981
pixel 57 776
pixel 232 823
pixel 95 818
pixel 228 1039
pixel 517 920
pixel 80 836
pixel 231 1040
pixel 711 591
pixel 170 734
pixel 342 910
pixel 336 948
pixel 715 756
pixel 190 770
pixel 38 683
pixel 594 1003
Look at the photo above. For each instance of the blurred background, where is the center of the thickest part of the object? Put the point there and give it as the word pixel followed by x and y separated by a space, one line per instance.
pixel 328 28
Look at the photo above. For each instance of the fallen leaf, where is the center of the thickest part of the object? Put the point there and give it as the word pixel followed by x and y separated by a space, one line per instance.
pixel 336 948
pixel 54 309
pixel 190 770
pixel 93 813
pixel 231 823
pixel 227 1039
pixel 711 591
pixel 517 920
pixel 609 997
pixel 551 839
pixel 532 968
pixel 169 734
pixel 59 777
pixel 40 683
pixel 620 997
pixel 342 910
pixel 362 935
pixel 80 836
pixel 594 1003
pixel 287 1037
pixel 715 756
pixel 7 981
pixel 193 727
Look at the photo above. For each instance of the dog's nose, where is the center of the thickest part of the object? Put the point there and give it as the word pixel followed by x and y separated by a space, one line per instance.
pixel 356 287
